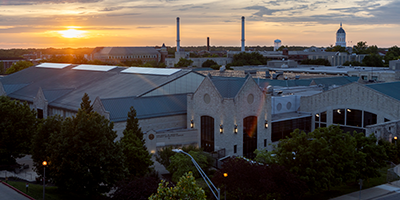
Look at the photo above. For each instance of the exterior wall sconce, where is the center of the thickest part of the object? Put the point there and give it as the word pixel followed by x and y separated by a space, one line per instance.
pixel 317 115
pixel 191 123
pixel 221 128
pixel 266 123
pixel 348 110
pixel 235 129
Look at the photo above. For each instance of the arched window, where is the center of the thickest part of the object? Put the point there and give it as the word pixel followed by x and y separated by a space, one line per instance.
pixel 249 136
pixel 207 133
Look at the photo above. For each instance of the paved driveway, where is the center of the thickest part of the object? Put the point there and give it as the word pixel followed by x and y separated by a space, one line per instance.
pixel 10 194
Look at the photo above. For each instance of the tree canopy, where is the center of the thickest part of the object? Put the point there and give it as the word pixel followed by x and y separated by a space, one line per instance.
pixel 327 156
pixel 84 157
pixel 247 179
pixel 183 62
pixel 186 188
pixel 244 58
pixel 18 66
pixel 17 125
pixel 136 157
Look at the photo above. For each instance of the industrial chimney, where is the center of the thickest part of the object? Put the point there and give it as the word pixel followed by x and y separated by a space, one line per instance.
pixel 208 44
pixel 177 35
pixel 242 34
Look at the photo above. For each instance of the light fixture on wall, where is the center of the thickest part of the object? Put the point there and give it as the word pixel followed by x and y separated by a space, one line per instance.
pixel 338 111
pixel 348 110
pixel 191 123
pixel 317 115
pixel 221 128
pixel 235 129
pixel 266 123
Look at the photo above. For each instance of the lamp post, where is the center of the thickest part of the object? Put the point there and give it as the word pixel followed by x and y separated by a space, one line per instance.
pixel 225 175
pixel 215 191
pixel 44 176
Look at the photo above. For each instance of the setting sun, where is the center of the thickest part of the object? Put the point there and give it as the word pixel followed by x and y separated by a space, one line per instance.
pixel 72 33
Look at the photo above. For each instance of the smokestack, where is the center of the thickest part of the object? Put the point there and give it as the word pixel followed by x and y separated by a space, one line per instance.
pixel 178 40
pixel 242 34
pixel 208 44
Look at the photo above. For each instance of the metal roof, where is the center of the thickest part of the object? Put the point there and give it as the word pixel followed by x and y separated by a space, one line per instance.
pixel 64 88
pixel 390 89
pixel 228 87
pixel 146 107
pixel 328 81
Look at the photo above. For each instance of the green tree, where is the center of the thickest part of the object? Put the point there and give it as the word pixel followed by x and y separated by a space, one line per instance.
pixel 251 180
pixel 84 157
pixel 373 60
pixel 360 48
pixel 136 157
pixel 181 164
pixel 17 125
pixel 183 62
pixel 393 53
pixel 18 66
pixel 85 104
pixel 244 58
pixel 2 70
pixel 41 147
pixel 371 156
pixel 208 63
pixel 186 188
pixel 319 61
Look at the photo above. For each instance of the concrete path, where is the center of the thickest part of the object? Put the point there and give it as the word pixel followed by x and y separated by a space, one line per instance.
pixel 10 194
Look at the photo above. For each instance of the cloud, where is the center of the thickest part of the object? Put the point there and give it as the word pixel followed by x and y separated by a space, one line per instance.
pixel 262 10
pixel 32 2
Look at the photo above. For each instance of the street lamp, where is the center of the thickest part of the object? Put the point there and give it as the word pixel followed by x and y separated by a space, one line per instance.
pixel 225 175
pixel 44 176
pixel 214 190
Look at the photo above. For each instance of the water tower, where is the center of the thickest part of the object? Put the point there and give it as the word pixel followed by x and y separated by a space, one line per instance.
pixel 277 44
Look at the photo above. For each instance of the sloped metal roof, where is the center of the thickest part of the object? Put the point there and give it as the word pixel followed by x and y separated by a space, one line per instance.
pixel 390 89
pixel 146 107
pixel 328 81
pixel 228 87
pixel 64 88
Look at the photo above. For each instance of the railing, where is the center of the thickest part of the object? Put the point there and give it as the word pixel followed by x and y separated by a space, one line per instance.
pixel 216 156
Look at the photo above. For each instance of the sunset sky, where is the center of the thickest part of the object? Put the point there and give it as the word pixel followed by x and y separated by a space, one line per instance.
pixel 91 23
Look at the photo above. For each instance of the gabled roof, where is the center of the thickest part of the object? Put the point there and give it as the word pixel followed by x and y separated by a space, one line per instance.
pixel 146 107
pixel 228 87
pixel 390 89
pixel 64 88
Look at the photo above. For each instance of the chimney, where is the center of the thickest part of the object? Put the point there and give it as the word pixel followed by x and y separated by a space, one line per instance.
pixel 178 41
pixel 208 44
pixel 242 34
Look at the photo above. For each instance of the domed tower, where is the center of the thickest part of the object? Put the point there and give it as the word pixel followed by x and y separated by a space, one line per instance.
pixel 341 37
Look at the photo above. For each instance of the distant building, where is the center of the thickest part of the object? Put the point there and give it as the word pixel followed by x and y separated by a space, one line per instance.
pixel 6 63
pixel 341 37
pixel 120 54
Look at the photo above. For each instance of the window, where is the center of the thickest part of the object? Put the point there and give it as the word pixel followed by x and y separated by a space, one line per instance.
pixel 369 118
pixel 338 116
pixel 40 113
pixel 386 120
pixel 265 142
pixel 207 133
pixel 234 148
pixel 354 117
pixel 283 128
pixel 249 136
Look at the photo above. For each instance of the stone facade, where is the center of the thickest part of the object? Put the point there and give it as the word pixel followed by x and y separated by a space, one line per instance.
pixel 352 96
pixel 40 103
pixel 386 131
pixel 228 112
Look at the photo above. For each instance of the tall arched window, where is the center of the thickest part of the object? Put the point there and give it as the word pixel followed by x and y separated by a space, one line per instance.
pixel 249 136
pixel 207 133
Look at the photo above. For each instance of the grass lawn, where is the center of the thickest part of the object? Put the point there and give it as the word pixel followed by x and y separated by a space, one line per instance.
pixel 350 187
pixel 36 191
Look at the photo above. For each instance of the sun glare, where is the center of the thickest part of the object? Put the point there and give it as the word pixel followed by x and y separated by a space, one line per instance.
pixel 72 33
